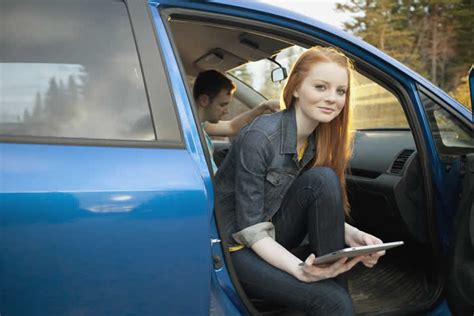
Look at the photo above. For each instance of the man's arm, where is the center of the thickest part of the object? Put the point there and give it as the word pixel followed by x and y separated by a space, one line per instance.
pixel 232 127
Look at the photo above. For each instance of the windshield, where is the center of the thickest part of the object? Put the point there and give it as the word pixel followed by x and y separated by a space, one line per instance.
pixel 373 106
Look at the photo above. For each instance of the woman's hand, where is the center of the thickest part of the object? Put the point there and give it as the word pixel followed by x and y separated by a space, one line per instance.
pixel 355 237
pixel 309 272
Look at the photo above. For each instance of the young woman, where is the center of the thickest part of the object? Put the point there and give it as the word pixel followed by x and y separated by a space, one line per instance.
pixel 283 178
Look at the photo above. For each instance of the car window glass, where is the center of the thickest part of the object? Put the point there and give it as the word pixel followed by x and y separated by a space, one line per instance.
pixel 448 132
pixel 257 74
pixel 373 106
pixel 71 69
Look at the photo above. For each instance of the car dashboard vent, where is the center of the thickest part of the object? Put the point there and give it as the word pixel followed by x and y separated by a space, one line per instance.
pixel 399 163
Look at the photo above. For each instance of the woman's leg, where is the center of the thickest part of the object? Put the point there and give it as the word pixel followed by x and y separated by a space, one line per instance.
pixel 262 280
pixel 313 206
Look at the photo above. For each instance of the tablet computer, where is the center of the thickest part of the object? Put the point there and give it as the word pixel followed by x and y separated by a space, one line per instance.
pixel 355 251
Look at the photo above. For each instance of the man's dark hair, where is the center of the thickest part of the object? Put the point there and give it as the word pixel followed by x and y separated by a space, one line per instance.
pixel 210 83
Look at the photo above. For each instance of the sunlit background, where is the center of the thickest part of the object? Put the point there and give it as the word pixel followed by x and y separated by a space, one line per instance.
pixel 434 38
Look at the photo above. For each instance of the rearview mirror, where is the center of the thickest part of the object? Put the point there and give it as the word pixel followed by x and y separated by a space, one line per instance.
pixel 279 74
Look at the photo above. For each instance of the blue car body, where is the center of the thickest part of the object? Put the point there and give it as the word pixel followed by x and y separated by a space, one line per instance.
pixel 91 228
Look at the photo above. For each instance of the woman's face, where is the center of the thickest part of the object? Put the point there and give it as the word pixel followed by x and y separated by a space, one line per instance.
pixel 321 96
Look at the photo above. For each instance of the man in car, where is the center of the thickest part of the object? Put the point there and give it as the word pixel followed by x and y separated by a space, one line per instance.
pixel 213 92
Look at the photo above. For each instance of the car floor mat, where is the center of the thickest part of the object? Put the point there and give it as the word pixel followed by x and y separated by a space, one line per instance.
pixel 391 287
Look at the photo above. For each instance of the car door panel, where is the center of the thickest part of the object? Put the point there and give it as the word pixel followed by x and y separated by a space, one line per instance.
pixel 99 224
pixel 460 286
pixel 102 231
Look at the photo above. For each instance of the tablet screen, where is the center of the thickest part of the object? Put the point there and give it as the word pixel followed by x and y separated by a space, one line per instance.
pixel 356 251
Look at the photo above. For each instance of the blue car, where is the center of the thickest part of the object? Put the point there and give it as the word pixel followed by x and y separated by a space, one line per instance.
pixel 106 184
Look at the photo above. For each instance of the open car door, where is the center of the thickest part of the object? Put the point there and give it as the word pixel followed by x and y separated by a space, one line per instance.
pixel 460 286
pixel 460 282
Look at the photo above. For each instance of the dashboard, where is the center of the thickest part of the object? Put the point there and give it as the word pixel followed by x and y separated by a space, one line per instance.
pixel 385 185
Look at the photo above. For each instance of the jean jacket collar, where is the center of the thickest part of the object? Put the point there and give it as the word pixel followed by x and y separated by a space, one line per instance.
pixel 288 137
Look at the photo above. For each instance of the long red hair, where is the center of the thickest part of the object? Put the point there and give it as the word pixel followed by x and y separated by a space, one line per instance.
pixel 334 140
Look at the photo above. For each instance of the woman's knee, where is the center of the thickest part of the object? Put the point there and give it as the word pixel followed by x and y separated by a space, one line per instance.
pixel 321 179
pixel 321 175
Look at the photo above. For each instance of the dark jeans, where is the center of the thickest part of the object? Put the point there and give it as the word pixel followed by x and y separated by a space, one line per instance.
pixel 311 206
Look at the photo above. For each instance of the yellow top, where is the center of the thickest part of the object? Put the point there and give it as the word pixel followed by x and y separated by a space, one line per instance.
pixel 300 156
pixel 236 248
pixel 302 150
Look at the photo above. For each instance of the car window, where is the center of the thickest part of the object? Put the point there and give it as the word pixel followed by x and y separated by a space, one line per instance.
pixel 257 74
pixel 70 69
pixel 448 132
pixel 373 106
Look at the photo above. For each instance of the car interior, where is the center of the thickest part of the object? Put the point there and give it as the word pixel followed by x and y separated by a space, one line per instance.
pixel 385 180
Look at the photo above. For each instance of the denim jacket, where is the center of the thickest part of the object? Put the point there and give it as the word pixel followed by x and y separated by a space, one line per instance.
pixel 259 168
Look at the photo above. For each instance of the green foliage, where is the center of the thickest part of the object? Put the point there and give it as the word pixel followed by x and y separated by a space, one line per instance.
pixel 461 93
pixel 244 74
pixel 433 37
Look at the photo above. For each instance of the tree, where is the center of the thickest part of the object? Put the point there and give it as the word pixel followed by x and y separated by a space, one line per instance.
pixel 51 98
pixel 464 58
pixel 38 108
pixel 388 25
pixel 244 74
pixel 26 116
pixel 72 90
pixel 434 37
pixel 461 92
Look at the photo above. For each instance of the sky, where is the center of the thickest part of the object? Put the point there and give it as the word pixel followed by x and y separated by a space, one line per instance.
pixel 323 10
pixel 25 80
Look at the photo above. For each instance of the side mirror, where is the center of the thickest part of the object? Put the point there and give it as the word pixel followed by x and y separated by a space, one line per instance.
pixel 279 74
